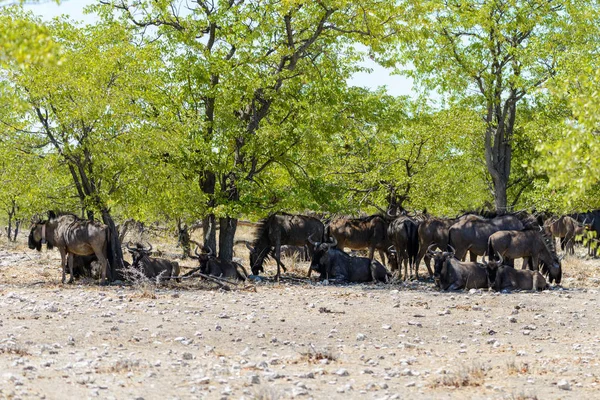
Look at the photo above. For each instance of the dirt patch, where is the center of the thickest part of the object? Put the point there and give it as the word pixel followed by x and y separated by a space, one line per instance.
pixel 295 339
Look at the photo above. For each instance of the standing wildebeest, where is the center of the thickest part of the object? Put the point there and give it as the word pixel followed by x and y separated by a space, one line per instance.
pixel 452 274
pixel 73 236
pixel 280 229
pixel 211 265
pixel 528 244
pixel 566 229
pixel 361 233
pixel 334 264
pixel 505 277
pixel 470 233
pixel 152 267
pixel 432 231
pixel 402 232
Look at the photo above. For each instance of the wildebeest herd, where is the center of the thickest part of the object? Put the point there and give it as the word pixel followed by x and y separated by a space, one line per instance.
pixel 401 239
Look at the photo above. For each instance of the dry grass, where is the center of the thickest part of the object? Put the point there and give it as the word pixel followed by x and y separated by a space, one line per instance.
pixel 466 377
pixel 267 393
pixel 514 368
pixel 14 349
pixel 314 356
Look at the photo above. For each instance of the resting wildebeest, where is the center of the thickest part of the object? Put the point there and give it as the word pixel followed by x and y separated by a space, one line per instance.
pixel 452 274
pixel 73 236
pixel 211 265
pixel 334 264
pixel 530 245
pixel 470 233
pixel 278 229
pixel 432 231
pixel 150 267
pixel 361 233
pixel 402 232
pixel 505 277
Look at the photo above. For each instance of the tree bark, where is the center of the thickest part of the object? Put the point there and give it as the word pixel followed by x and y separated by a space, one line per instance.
pixel 115 270
pixel 227 229
pixel 16 232
pixel 208 182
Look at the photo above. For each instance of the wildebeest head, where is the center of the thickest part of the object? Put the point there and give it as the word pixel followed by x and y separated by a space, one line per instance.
pixel 203 258
pixel 37 237
pixel 257 258
pixel 439 261
pixel 320 259
pixel 138 252
pixel 492 267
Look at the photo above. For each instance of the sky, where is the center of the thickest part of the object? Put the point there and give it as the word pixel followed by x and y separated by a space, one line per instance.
pixel 378 76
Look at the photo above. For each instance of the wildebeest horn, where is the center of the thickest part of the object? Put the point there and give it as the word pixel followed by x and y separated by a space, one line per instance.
pixel 483 257
pixel 431 247
pixel 150 249
pixel 249 247
pixel 311 241
pixel 453 249
pixel 391 215
pixel 196 250
pixel 333 241
pixel 129 247
pixel 391 249
pixel 501 258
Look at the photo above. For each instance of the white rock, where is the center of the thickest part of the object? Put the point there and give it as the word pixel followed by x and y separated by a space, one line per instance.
pixel 564 384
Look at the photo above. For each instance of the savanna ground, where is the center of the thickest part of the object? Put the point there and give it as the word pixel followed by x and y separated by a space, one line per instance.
pixel 295 339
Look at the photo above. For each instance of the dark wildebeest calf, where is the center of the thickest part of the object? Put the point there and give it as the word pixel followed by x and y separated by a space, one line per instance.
pixel 280 229
pixel 150 267
pixel 530 245
pixel 452 274
pixel 505 277
pixel 334 264
pixel 73 236
pixel 211 265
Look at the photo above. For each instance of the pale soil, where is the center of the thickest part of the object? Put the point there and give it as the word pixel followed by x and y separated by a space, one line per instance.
pixel 291 339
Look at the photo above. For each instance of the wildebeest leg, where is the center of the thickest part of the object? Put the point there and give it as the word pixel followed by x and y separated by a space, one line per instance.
pixel 371 253
pixel 63 262
pixel 472 256
pixel 309 255
pixel 382 256
pixel 405 262
pixel 70 262
pixel 278 260
pixel 456 285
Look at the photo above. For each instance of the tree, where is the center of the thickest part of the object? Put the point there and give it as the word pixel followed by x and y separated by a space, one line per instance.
pixel 83 103
pixel 494 53
pixel 247 70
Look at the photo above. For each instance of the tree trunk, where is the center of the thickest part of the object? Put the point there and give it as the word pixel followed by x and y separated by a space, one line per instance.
pixel 17 226
pixel 227 229
pixel 115 270
pixel 208 182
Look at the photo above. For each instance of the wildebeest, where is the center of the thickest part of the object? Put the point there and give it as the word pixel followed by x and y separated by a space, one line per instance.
pixel 73 236
pixel 529 244
pixel 452 274
pixel 150 267
pixel 432 231
pixel 279 229
pixel 402 232
pixel 211 265
pixel 505 277
pixel 470 233
pixel 362 233
pixel 334 264
pixel 566 229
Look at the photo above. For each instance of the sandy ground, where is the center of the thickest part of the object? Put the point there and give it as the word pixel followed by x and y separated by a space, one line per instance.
pixel 292 339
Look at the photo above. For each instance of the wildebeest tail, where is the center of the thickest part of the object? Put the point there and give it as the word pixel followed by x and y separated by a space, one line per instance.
pixel 490 251
pixel 413 241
